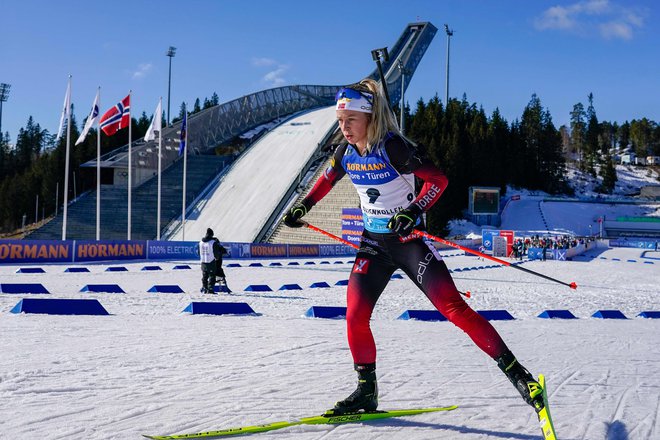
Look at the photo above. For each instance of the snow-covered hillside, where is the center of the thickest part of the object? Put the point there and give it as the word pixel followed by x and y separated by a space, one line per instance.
pixel 531 215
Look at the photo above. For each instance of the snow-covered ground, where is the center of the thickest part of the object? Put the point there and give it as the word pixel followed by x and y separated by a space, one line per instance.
pixel 148 368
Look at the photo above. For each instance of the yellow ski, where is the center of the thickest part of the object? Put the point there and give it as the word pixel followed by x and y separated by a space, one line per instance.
pixel 316 420
pixel 545 420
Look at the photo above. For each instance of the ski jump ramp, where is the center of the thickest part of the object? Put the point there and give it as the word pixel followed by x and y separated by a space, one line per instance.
pixel 243 200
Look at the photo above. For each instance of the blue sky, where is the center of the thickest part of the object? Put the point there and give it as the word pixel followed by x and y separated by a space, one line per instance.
pixel 501 52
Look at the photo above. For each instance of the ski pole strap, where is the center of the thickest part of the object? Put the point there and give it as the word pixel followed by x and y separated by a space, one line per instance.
pixel 572 285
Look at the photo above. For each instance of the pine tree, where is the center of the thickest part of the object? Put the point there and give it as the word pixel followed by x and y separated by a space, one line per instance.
pixel 592 148
pixel 578 133
pixel 196 107
pixel 608 173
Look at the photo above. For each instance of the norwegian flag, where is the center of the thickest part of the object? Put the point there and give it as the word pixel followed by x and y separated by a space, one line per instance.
pixel 117 117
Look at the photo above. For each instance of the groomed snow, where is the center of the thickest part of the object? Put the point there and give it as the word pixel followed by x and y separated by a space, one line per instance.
pixel 148 368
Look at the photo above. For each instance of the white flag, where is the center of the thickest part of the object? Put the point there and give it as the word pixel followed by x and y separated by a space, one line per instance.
pixel 155 123
pixel 65 110
pixel 91 119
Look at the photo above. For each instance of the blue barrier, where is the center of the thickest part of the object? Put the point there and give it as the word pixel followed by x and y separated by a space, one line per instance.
pixel 104 288
pixel 218 308
pixel 256 265
pixel 557 314
pixel 116 269
pixel 22 288
pixel 233 265
pixel 60 307
pixel 30 270
pixel 275 264
pixel 309 262
pixel 76 269
pixel 328 312
pixel 651 315
pixel 649 262
pixel 396 276
pixel 151 268
pixel 290 287
pixel 609 314
pixel 496 315
pixel 258 288
pixel 320 284
pixel 324 262
pixel 172 288
pixel 632 261
pixel 341 283
pixel 293 263
pixel 423 315
pixel 181 267
pixel 339 262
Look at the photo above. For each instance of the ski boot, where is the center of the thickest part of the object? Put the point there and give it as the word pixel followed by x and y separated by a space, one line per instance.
pixel 527 386
pixel 364 398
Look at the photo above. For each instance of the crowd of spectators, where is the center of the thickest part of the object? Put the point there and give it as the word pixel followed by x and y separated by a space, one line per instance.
pixel 521 245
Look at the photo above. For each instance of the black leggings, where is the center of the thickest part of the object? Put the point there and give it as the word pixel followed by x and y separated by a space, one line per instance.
pixel 379 256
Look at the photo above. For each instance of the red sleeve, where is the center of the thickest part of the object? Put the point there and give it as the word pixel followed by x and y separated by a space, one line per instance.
pixel 322 187
pixel 435 183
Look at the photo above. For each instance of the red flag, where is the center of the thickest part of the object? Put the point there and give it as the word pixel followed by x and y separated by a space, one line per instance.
pixel 117 117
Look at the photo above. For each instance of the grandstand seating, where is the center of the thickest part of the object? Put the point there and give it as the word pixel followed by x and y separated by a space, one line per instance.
pixel 81 215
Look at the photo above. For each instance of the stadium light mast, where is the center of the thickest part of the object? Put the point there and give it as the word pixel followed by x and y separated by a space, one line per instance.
pixel 170 53
pixel 4 96
pixel 450 33
pixel 404 71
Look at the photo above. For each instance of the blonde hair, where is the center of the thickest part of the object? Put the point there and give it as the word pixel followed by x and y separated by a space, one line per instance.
pixel 382 119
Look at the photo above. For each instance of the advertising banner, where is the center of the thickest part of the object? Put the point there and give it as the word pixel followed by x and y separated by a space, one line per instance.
pixel 35 251
pixel 172 250
pixel 487 239
pixel 352 224
pixel 110 250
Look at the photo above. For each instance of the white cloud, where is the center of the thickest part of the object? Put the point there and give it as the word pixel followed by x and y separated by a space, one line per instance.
pixel 262 61
pixel 592 16
pixel 616 30
pixel 142 71
pixel 275 77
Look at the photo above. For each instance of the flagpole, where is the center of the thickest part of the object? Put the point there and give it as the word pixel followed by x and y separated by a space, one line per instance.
pixel 185 165
pixel 66 163
pixel 98 171
pixel 130 169
pixel 160 147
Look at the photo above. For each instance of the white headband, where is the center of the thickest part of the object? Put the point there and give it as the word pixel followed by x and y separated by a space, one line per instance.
pixel 358 101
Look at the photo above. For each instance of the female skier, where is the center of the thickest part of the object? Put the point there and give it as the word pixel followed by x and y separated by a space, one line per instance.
pixel 382 164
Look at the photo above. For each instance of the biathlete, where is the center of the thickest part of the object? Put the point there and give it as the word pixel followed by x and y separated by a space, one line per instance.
pixel 382 164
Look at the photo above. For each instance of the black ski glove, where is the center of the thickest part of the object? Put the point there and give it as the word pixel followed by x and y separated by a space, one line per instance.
pixel 292 218
pixel 404 221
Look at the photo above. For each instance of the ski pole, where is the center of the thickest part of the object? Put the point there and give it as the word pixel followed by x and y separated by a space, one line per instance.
pixel 326 233
pixel 348 243
pixel 572 285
